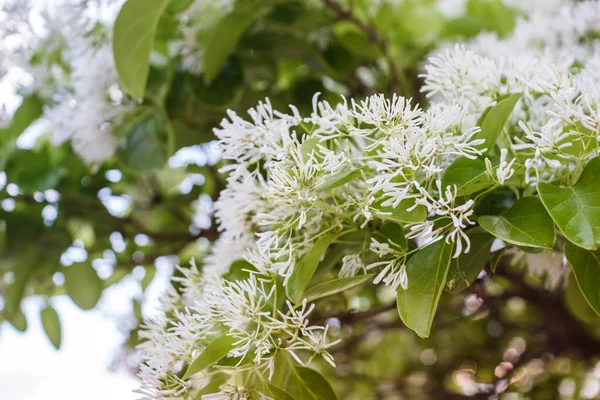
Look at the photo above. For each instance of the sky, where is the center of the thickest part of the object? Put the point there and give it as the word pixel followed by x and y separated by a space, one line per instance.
pixel 30 368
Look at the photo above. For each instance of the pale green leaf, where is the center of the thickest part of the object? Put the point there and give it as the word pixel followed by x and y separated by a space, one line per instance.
pixel 51 325
pixel 340 178
pixel 335 286
pixel 83 285
pixel 133 39
pixel 400 214
pixel 216 350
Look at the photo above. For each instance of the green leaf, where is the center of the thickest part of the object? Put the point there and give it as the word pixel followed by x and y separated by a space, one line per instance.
pixel 400 213
pixel 278 393
pixel 51 324
pixel 33 170
pixel 147 143
pixel 465 268
pixel 216 380
pixel 14 291
pixel 526 224
pixel 468 175
pixel 586 268
pixel 19 321
pixel 216 350
pixel 335 286
pixel 29 110
pixel 223 90
pixel 427 271
pixel 391 231
pixel 576 209
pixel 306 267
pixel 496 202
pixel 83 285
pixel 308 146
pixel 307 384
pixel 494 120
pixel 496 258
pixel 133 38
pixel 227 33
pixel 340 178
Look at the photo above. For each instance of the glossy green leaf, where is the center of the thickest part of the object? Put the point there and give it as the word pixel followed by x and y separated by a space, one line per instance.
pixel 228 33
pixel 216 350
pixel 216 380
pixel 335 286
pixel 51 325
pixel 83 285
pixel 307 384
pixel 586 268
pixel 465 268
pixel 306 267
pixel 576 209
pixel 340 178
pixel 494 120
pixel 467 175
pixel 496 202
pixel 133 38
pixel 427 271
pixel 527 223
pixel 400 213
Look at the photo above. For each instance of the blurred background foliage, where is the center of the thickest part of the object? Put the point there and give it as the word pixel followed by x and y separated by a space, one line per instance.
pixel 73 227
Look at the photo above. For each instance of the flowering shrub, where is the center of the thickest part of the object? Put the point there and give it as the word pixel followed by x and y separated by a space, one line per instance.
pixel 405 199
pixel 380 192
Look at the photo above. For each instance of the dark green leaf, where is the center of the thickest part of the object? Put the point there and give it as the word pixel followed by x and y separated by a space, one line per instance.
pixel 496 202
pixel 51 324
pixel 83 285
pixel 228 33
pixel 427 271
pixel 576 209
pixel 586 268
pixel 526 224
pixel 335 286
pixel 216 350
pixel 496 258
pixel 465 268
pixel 224 89
pixel 133 38
pixel 147 144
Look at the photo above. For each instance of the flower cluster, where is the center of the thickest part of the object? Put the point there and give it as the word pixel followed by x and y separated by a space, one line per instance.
pixel 367 177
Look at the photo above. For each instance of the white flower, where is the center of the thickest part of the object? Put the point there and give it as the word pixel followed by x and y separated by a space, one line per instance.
pixel 351 265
